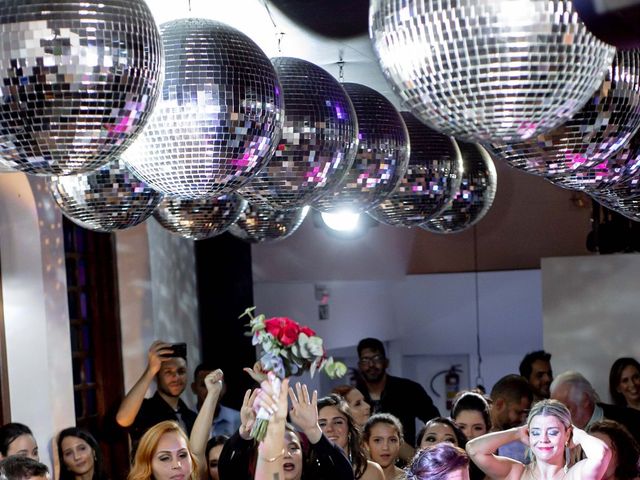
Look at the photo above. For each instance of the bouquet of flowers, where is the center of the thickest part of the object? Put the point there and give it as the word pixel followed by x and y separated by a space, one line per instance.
pixel 287 349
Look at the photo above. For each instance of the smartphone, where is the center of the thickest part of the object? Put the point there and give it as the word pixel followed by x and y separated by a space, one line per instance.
pixel 179 350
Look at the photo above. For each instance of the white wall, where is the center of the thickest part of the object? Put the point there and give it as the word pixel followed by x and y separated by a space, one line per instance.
pixel 156 273
pixel 36 315
pixel 590 307
pixel 422 315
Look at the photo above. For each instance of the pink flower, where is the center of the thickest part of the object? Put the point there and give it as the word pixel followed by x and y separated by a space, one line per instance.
pixel 284 329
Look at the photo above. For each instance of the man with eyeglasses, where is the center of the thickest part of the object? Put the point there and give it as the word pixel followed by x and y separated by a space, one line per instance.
pixel 398 396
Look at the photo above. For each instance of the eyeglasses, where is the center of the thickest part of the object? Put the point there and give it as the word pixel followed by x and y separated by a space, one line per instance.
pixel 376 359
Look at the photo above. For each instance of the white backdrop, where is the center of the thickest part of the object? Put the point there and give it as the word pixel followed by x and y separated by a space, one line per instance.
pixel 590 307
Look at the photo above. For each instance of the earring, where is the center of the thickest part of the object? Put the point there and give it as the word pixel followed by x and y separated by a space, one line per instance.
pixel 567 456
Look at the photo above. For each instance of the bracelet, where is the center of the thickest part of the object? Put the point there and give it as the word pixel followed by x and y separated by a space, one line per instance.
pixel 271 460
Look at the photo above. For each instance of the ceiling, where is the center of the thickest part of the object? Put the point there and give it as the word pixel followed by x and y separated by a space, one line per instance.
pixel 320 31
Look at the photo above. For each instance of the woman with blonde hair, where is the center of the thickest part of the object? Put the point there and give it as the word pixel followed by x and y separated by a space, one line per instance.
pixel 163 454
pixel 549 434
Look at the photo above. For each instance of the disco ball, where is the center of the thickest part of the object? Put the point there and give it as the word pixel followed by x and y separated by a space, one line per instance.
pixel 319 139
pixel 107 199
pixel 433 177
pixel 219 118
pixel 596 132
pixel 79 79
pixel 488 70
pixel 200 218
pixel 628 206
pixel 382 157
pixel 476 194
pixel 264 224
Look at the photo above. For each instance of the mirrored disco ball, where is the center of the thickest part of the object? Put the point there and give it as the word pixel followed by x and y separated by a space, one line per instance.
pixel 107 199
pixel 218 120
pixel 432 179
pixel 628 207
pixel 200 218
pixel 382 157
pixel 476 194
pixel 596 132
pixel 609 176
pixel 319 138
pixel 488 70
pixel 264 224
pixel 79 79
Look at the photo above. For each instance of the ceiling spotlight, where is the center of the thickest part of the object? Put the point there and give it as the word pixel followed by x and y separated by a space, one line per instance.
pixel 341 220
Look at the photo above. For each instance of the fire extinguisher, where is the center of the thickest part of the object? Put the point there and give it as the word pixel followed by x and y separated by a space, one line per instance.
pixel 451 383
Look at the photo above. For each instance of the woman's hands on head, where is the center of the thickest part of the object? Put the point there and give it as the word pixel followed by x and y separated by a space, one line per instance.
pixel 304 412
pixel 523 434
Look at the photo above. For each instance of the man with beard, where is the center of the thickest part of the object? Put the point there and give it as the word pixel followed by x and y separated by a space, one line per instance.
pixel 169 370
pixel 511 399
pixel 536 369
pixel 404 398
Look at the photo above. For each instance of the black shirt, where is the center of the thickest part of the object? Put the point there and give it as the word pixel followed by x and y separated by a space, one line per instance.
pixel 155 410
pixel 324 461
pixel 405 399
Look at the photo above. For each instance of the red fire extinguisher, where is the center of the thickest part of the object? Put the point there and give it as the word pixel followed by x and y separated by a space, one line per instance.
pixel 451 383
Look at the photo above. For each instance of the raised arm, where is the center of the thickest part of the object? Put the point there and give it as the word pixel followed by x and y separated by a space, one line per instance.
pixel 272 449
pixel 329 459
pixel 481 450
pixel 598 455
pixel 202 426
pixel 132 401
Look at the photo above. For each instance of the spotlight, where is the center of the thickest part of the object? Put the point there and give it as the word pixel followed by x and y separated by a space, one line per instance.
pixel 341 220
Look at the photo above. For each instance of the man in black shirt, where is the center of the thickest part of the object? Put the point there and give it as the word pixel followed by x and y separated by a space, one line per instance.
pixel 401 397
pixel 138 414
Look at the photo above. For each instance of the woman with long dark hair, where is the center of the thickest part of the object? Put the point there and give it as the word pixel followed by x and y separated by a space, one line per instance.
pixel 624 382
pixel 79 456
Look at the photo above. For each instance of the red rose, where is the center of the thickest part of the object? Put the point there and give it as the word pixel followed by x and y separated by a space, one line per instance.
pixel 284 329
pixel 307 331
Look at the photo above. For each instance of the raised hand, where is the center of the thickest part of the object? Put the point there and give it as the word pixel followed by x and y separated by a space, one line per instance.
pixel 247 414
pixel 304 411
pixel 273 398
pixel 213 382
pixel 257 373
pixel 158 353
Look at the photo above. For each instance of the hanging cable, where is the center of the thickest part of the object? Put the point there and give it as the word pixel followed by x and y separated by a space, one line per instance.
pixel 279 34
pixel 479 379
pixel 341 66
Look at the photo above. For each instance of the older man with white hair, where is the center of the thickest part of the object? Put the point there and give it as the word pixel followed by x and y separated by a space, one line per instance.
pixel 577 393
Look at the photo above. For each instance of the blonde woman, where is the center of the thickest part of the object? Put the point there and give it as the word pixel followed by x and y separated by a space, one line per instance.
pixel 164 454
pixel 549 433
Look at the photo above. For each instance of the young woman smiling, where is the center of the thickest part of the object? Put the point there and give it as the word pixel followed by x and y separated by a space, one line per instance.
pixel 549 433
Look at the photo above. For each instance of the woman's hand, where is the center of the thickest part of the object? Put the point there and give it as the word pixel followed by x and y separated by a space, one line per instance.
pixel 247 414
pixel 523 435
pixel 213 382
pixel 257 373
pixel 304 412
pixel 273 398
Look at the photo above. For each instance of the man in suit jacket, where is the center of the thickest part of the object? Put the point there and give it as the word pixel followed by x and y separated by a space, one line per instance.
pixel 577 393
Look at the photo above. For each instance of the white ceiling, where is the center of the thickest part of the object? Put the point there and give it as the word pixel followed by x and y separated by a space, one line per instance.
pixel 252 18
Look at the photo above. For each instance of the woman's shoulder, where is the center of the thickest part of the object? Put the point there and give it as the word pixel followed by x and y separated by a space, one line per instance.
pixel 372 472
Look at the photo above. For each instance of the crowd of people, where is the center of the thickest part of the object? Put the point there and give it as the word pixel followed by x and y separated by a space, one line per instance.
pixel 530 426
